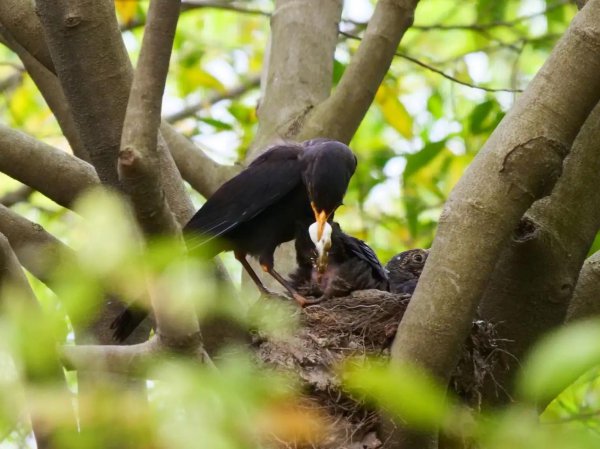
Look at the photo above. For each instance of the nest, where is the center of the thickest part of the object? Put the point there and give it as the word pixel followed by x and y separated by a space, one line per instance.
pixel 363 324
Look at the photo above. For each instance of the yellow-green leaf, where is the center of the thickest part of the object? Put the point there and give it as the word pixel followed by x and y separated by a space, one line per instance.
pixel 394 111
pixel 126 10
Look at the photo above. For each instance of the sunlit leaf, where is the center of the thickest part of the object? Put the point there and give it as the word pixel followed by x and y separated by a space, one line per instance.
pixel 485 117
pixel 402 390
pixel 559 359
pixel 126 9
pixel 393 110
pixel 338 70
pixel 414 162
pixel 218 124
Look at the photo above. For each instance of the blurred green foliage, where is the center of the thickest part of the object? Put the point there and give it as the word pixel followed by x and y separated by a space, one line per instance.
pixel 414 144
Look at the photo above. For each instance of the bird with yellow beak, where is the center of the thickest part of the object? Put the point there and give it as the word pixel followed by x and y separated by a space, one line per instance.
pixel 327 167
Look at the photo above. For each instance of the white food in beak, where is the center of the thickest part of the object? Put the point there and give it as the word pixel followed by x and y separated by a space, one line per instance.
pixel 324 244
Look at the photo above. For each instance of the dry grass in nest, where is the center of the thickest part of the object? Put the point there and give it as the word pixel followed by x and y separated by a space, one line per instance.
pixel 363 324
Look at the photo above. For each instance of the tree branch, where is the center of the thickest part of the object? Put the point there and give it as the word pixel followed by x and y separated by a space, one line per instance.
pixel 339 116
pixel 95 72
pixel 138 164
pixel 56 174
pixel 438 71
pixel 533 281
pixel 203 173
pixel 232 93
pixel 15 16
pixel 130 360
pixel 45 80
pixel 184 151
pixel 139 169
pixel 16 196
pixel 519 164
pixel 299 70
pixel 93 69
pixel 496 24
pixel 37 250
pixel 199 4
pixel 13 282
pixel 586 297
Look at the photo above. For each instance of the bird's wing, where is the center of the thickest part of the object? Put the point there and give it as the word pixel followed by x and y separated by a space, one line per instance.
pixel 364 252
pixel 265 181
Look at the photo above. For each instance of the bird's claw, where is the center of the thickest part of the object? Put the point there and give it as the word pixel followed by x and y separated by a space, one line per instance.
pixel 305 302
pixel 267 294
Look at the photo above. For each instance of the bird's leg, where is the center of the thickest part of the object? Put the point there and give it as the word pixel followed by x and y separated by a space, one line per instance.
pixel 241 257
pixel 301 300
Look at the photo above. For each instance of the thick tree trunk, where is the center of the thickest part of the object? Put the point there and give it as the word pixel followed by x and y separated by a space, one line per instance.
pixel 339 116
pixel 299 72
pixel 519 164
pixel 15 287
pixel 534 278
pixel 56 174
pixel 586 297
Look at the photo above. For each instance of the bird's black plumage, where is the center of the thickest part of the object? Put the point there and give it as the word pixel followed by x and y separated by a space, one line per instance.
pixel 353 265
pixel 404 270
pixel 327 167
pixel 255 211
pixel 259 209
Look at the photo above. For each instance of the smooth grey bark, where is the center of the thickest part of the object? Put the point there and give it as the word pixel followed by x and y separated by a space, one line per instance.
pixel 586 297
pixel 14 286
pixel 519 164
pixel 204 174
pixel 44 75
pixel 139 165
pixel 93 68
pixel 299 72
pixel 20 194
pixel 133 359
pixel 37 250
pixel 193 108
pixel 532 284
pixel 339 116
pixel 296 97
pixel 40 252
pixel 95 73
pixel 56 174
pixel 48 85
pixel 15 16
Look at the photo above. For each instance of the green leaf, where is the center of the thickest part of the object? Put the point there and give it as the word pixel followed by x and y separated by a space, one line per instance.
pixel 559 359
pixel 338 70
pixel 218 124
pixel 435 105
pixel 403 390
pixel 416 161
pixel 485 117
pixel 491 10
pixel 394 111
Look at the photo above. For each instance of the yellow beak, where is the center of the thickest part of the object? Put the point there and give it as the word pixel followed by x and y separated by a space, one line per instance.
pixel 321 218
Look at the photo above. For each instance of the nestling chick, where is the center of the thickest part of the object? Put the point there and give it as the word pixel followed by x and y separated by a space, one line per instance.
pixel 351 265
pixel 404 270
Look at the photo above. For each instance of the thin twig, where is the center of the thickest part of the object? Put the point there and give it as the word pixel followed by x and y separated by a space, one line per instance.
pixel 228 6
pixel 478 27
pixel 202 104
pixel 16 196
pixel 438 71
pixel 577 417
pixel 193 5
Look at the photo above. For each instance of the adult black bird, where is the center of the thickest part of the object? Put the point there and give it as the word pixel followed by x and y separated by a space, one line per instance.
pixel 404 270
pixel 352 265
pixel 259 209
